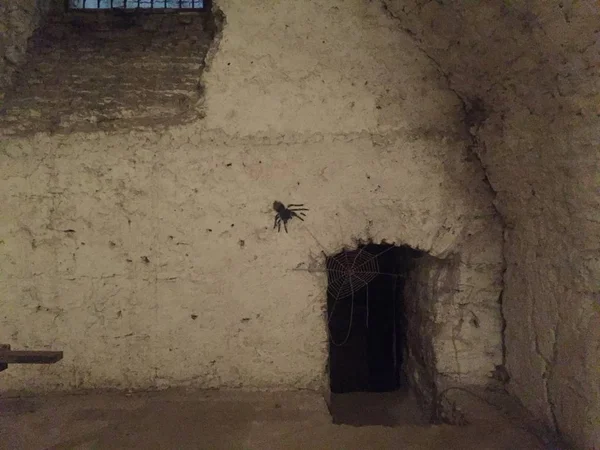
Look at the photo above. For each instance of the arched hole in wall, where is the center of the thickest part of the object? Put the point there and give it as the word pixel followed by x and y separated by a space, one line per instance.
pixel 379 315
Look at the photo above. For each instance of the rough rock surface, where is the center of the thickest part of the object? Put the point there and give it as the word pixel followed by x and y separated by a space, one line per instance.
pixel 104 71
pixel 149 256
pixel 18 21
pixel 528 73
pixel 139 253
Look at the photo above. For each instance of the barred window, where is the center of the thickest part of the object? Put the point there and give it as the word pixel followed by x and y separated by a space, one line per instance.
pixel 138 4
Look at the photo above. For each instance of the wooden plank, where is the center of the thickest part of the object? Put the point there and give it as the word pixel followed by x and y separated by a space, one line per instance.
pixel 29 357
pixel 2 365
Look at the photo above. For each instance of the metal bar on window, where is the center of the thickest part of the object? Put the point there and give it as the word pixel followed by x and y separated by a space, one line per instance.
pixel 105 5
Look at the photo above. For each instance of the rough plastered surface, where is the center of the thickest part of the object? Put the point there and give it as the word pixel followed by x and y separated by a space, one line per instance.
pixel 534 67
pixel 150 259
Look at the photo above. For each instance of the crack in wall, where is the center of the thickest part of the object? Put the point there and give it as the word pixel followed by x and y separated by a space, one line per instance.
pixel 539 353
pixel 550 372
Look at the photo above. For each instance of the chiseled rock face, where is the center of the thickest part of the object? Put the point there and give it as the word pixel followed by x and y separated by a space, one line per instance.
pixel 18 21
pixel 149 257
pixel 89 71
pixel 534 67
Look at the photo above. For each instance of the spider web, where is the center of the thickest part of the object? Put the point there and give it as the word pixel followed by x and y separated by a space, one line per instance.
pixel 347 273
pixel 350 271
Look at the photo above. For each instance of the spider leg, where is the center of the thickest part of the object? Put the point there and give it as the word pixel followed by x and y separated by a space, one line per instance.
pixel 298 209
pixel 291 205
pixel 279 225
pixel 296 215
pixel 275 223
pixel 285 226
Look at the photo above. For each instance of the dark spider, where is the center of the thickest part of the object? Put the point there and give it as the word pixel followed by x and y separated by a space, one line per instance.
pixel 287 213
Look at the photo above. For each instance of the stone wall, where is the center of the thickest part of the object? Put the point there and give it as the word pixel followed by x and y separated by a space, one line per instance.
pixel 18 20
pixel 149 255
pixel 429 281
pixel 106 71
pixel 528 73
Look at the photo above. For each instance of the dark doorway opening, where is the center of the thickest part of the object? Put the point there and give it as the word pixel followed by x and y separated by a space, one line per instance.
pixel 366 320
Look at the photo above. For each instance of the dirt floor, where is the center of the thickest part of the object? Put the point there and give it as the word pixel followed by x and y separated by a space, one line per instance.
pixel 237 420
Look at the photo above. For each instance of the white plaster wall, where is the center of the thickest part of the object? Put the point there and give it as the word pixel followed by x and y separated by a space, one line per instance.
pixel 326 103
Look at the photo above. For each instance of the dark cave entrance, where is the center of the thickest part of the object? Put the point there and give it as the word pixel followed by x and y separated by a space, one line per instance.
pixel 367 324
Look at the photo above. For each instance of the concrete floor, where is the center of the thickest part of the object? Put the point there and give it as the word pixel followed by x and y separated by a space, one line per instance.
pixel 233 420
